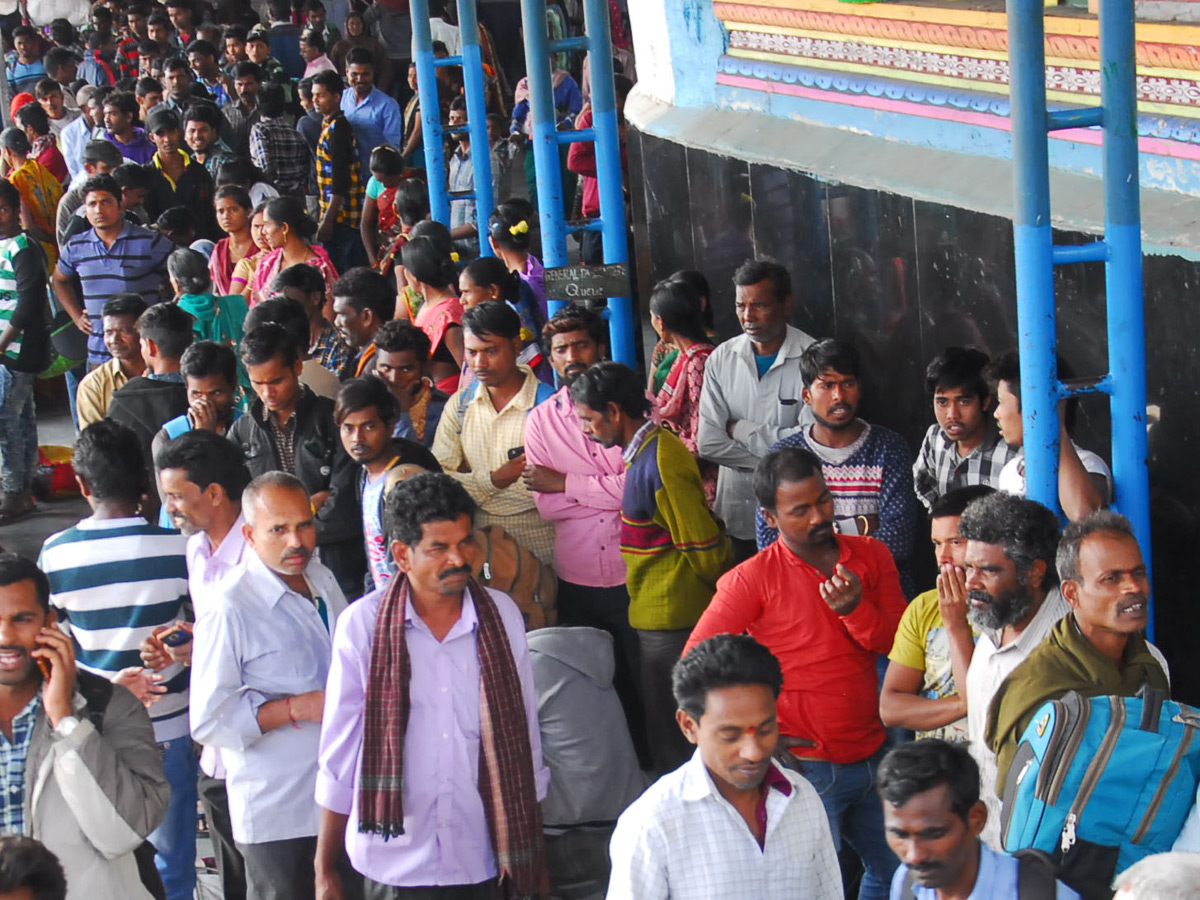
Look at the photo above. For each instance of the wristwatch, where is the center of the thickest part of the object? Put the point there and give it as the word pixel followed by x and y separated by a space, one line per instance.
pixel 66 726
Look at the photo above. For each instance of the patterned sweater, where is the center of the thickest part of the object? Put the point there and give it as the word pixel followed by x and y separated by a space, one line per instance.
pixel 674 549
pixel 874 479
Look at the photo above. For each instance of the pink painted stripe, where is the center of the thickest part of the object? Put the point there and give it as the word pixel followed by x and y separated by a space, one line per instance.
pixel 1151 145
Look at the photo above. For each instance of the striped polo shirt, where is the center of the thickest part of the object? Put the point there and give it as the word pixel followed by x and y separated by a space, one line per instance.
pixel 112 582
pixel 135 263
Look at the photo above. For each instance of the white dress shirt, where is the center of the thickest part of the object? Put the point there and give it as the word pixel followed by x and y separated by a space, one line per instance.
pixel 681 839
pixel 205 569
pixel 990 665
pixel 257 641
pixel 765 410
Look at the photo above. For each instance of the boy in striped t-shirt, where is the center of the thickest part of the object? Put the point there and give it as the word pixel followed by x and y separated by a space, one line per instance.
pixel 114 579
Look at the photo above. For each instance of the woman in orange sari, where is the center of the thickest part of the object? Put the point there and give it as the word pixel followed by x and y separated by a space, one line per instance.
pixel 40 190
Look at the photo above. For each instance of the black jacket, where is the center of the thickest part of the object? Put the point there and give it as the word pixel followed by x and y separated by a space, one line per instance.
pixel 146 404
pixel 322 464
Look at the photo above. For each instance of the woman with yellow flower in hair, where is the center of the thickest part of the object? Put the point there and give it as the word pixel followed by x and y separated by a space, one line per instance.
pixel 430 272
pixel 510 234
pixel 487 278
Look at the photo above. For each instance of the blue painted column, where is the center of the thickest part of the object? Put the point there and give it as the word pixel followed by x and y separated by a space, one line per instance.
pixel 473 85
pixel 431 113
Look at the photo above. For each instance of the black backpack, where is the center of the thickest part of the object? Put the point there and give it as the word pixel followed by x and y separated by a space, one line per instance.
pixel 96 693
pixel 1036 875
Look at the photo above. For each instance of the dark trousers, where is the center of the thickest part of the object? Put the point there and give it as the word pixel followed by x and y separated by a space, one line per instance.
pixel 230 866
pixel 607 608
pixel 660 650
pixel 285 870
pixel 485 890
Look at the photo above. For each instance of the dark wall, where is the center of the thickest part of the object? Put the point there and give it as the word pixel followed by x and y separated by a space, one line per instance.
pixel 903 279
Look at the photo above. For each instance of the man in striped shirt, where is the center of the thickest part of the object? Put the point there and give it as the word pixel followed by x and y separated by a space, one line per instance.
pixel 114 578
pixel 340 185
pixel 110 258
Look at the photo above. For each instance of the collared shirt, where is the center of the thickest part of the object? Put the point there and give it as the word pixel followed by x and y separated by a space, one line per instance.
pixel 13 752
pixel 996 880
pixel 940 469
pixel 376 119
pixel 193 189
pixel 339 169
pixel 96 391
pixel 258 641
pixel 136 262
pixel 71 141
pixel 240 118
pixel 446 839
pixel 206 568
pixel 331 351
pixel 765 410
pixel 830 693
pixel 218 154
pixel 990 665
pixel 461 177
pixel 681 839
pixel 630 451
pixel 284 438
pixel 278 149
pixel 587 512
pixel 482 438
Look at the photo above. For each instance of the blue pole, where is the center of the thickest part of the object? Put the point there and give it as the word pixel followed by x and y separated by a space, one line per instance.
pixel 431 112
pixel 481 151
pixel 608 173
pixel 1033 247
pixel 1123 271
pixel 543 142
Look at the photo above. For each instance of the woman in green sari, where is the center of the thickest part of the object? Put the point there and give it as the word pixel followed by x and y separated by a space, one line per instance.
pixel 216 318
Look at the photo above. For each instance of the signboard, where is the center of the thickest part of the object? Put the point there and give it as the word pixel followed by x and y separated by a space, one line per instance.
pixel 587 282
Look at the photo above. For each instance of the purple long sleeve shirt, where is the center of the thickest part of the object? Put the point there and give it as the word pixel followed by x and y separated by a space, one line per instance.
pixel 445 840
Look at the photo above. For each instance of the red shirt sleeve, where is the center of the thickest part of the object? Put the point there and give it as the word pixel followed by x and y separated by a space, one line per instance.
pixel 733 608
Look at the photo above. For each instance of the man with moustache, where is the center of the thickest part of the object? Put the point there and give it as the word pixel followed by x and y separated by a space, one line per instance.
pixel 578 485
pixel 365 414
pixel 1013 601
pixel 202 476
pixel 826 604
pixel 261 658
pixel 119 317
pixel 867 468
pixel 1099 649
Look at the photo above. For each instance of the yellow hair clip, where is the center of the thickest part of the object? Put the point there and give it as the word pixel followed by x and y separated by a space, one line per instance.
pixel 521 227
pixel 454 256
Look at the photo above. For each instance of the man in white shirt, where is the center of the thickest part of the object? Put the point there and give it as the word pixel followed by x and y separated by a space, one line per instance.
pixel 751 397
pixel 730 822
pixel 261 658
pixel 1013 601
pixel 202 475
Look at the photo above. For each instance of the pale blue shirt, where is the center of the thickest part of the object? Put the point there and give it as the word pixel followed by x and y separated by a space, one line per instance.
pixel 376 120
pixel 997 880
pixel 72 140
pixel 255 641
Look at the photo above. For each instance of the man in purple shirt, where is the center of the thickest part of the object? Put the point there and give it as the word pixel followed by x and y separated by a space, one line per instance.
pixel 444 662
pixel 578 485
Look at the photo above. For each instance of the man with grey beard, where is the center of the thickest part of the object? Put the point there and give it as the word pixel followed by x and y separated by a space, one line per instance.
pixel 1014 601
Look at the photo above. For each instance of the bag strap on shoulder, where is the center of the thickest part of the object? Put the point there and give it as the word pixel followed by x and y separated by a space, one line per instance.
pixel 1036 875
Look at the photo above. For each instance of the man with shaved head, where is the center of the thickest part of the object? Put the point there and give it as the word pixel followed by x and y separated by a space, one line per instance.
pixel 262 652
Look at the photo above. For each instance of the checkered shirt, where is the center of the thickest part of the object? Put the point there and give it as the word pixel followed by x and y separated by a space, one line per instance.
pixel 334 130
pixel 332 352
pixel 12 767
pixel 939 469
pixel 278 149
pixel 681 839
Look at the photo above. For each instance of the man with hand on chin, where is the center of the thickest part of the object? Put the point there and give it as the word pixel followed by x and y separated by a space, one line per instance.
pixel 99 791
pixel 825 604
pixel 261 658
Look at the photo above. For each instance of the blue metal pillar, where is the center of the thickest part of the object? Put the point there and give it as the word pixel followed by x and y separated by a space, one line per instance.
pixel 431 112
pixel 1120 251
pixel 481 151
pixel 544 144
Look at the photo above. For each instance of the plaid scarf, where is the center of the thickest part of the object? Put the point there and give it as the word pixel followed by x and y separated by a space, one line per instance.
pixel 505 760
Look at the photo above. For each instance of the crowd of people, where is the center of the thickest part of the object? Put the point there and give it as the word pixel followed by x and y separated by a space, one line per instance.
pixel 342 466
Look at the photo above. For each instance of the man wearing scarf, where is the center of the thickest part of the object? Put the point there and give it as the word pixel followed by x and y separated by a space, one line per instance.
pixel 1097 650
pixel 449 810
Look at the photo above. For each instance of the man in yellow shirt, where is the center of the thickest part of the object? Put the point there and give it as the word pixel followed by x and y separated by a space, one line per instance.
pixel 119 317
pixel 934 640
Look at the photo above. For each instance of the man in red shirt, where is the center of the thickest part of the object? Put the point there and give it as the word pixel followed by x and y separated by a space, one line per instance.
pixel 826 605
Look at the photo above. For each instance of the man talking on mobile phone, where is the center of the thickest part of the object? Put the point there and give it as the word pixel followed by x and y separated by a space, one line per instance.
pixel 481 435
pixel 81 771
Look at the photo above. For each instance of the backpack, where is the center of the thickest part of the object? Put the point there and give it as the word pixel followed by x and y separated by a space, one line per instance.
pixel 96 693
pixel 1102 782
pixel 465 396
pixel 1036 877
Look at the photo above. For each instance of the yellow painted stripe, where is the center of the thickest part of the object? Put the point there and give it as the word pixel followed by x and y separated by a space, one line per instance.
pixel 1083 26
pixel 943 50
pixel 904 75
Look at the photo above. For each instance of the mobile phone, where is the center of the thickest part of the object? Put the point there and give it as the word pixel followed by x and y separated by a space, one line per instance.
pixel 176 637
pixel 515 452
pixel 44 665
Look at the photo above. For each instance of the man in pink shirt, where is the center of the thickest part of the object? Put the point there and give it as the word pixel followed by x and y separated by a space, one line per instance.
pixel 578 485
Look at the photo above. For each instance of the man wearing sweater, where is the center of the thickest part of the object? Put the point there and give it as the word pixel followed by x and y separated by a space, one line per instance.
pixel 674 549
pixel 868 468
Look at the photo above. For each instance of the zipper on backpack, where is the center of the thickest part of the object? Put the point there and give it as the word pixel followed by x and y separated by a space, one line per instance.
pixel 1091 777
pixel 1161 791
pixel 1071 747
